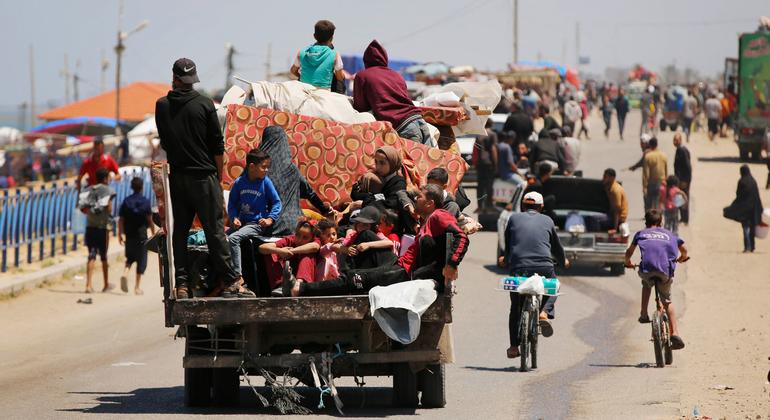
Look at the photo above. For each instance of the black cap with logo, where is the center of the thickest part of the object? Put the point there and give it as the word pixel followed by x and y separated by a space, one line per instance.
pixel 184 69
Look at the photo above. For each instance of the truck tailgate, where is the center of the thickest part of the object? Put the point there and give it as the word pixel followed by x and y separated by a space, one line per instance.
pixel 200 311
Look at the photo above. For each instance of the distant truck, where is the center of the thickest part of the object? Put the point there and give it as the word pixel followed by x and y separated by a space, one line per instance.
pixel 753 113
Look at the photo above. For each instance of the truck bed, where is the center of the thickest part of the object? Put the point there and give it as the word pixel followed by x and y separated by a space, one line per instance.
pixel 219 311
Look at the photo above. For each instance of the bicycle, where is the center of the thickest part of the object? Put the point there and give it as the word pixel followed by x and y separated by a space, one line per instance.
pixel 529 323
pixel 661 333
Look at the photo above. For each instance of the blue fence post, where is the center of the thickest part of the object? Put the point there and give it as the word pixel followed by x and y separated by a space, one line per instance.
pixel 53 201
pixel 15 227
pixel 4 218
pixel 72 208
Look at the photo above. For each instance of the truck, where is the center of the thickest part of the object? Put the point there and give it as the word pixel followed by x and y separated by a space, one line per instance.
pixel 311 339
pixel 753 104
pixel 226 339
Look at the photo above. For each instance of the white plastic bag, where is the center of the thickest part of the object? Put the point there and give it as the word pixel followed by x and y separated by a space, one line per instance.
pixel 766 216
pixel 78 222
pixel 532 286
pixel 762 231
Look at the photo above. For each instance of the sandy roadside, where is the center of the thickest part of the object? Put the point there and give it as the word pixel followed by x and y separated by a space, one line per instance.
pixel 727 321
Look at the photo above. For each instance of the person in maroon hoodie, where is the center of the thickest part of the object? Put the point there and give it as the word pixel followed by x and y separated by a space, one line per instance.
pixel 427 258
pixel 383 91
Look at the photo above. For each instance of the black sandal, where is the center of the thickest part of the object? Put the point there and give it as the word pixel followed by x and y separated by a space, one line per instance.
pixel 644 319
pixel 676 343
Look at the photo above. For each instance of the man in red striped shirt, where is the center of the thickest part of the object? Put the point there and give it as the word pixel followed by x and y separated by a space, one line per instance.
pixel 427 258
pixel 96 161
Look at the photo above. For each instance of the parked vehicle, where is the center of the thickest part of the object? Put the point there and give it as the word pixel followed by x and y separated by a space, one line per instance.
pixel 753 114
pixel 580 209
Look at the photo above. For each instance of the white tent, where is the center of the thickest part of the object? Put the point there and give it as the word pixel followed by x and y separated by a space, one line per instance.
pixel 142 139
pixel 9 135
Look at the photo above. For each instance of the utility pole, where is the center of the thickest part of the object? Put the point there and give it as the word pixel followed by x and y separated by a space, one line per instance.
pixel 32 110
pixel 268 70
pixel 65 72
pixel 104 65
pixel 76 81
pixel 577 45
pixel 230 65
pixel 515 31
pixel 22 122
pixel 119 48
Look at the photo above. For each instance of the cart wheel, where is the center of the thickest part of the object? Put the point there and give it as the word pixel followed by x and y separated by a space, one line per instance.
pixel 433 380
pixel 404 386
pixel 226 386
pixel 657 339
pixel 197 387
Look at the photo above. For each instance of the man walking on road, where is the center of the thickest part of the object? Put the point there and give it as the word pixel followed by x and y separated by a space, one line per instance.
pixel 530 240
pixel 713 110
pixel 621 108
pixel 683 171
pixel 97 160
pixel 654 173
pixel 190 134
pixel 520 123
pixel 618 201
pixel 486 166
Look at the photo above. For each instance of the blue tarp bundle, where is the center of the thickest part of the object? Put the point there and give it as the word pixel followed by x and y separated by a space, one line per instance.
pixel 355 63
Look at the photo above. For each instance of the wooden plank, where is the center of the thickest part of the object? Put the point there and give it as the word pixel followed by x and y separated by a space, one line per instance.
pixel 297 360
pixel 219 311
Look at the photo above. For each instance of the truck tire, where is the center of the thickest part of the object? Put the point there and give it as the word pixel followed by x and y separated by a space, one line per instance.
pixel 226 384
pixel 197 387
pixel 404 386
pixel 617 269
pixel 433 380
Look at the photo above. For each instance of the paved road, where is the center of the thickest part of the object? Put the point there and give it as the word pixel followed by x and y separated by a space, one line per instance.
pixel 114 358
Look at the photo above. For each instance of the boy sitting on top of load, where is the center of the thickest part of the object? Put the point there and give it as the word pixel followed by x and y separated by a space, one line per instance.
pixel 661 250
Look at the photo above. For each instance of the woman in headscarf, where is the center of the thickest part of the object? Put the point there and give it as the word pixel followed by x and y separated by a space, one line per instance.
pixel 387 168
pixel 288 181
pixel 746 208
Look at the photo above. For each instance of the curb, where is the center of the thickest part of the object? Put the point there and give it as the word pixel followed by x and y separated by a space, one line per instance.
pixel 51 274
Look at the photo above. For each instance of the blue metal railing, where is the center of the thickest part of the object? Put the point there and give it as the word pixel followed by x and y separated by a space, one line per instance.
pixel 42 216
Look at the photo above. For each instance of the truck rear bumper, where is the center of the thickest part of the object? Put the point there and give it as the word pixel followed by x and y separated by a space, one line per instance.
pixel 578 255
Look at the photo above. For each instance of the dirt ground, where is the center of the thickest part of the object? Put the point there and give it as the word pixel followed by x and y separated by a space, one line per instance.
pixel 723 372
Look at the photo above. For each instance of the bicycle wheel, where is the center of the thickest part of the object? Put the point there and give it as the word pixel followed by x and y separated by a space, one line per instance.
pixel 524 337
pixel 657 339
pixel 534 331
pixel 668 355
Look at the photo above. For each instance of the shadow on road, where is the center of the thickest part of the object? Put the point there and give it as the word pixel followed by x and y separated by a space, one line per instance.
pixel 359 402
pixel 639 366
pixel 492 369
pixel 495 269
pixel 720 159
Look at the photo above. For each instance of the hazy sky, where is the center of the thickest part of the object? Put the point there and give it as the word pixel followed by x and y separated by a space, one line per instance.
pixel 697 33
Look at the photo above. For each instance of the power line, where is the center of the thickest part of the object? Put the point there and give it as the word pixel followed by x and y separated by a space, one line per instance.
pixel 458 13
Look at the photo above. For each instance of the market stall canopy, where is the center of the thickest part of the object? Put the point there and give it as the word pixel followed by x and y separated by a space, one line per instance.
pixel 137 101
pixel 79 126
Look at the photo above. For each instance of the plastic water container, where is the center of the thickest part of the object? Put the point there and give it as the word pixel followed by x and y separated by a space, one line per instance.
pixel 78 222
pixel 679 200
pixel 511 284
pixel 762 231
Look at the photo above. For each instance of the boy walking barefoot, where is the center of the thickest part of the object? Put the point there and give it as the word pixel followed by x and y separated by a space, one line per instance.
pixel 97 221
pixel 135 217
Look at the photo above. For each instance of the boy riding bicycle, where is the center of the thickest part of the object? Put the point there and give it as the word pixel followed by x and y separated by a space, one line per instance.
pixel 659 257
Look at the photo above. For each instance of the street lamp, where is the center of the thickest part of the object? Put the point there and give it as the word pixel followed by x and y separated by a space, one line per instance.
pixel 119 48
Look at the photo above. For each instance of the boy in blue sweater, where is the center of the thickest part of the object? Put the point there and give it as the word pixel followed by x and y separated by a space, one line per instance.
pixel 253 206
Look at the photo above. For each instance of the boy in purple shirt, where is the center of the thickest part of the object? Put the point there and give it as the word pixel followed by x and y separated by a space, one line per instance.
pixel 661 250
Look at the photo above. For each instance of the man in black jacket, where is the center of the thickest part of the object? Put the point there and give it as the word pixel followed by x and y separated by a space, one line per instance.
pixel 190 134
pixel 520 123
pixel 683 171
